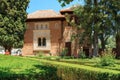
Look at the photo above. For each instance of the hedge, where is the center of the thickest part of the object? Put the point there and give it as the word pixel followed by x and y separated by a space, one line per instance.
pixel 67 71
pixel 22 68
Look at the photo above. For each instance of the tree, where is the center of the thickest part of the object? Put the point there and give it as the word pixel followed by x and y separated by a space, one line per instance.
pixel 12 22
pixel 98 18
pixel 114 7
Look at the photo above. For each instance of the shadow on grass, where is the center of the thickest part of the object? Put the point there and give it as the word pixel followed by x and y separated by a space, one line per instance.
pixel 38 72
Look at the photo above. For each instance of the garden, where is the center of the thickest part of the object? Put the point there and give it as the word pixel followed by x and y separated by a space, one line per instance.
pixel 57 68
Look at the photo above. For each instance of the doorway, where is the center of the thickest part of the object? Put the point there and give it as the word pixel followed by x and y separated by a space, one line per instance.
pixel 68 46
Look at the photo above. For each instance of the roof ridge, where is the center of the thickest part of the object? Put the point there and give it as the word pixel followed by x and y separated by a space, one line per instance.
pixel 43 10
pixel 44 14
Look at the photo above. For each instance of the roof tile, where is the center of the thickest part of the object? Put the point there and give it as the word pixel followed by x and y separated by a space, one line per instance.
pixel 44 14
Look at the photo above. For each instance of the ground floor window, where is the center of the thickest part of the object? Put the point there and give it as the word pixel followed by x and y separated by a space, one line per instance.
pixel 44 41
pixel 41 41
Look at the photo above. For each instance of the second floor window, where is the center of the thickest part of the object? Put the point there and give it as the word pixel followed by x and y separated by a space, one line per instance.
pixel 41 27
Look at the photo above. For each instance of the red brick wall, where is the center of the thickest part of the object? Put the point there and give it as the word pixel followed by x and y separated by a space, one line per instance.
pixel 28 40
pixel 55 35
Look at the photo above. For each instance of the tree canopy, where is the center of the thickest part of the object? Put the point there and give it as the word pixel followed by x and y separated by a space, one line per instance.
pixel 12 22
pixel 99 18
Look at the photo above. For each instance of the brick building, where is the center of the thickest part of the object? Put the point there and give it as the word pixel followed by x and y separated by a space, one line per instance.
pixel 49 32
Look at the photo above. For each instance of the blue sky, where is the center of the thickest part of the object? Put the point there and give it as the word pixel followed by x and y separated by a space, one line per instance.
pixel 35 5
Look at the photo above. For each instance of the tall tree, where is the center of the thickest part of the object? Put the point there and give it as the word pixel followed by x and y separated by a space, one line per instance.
pixel 98 18
pixel 116 23
pixel 12 22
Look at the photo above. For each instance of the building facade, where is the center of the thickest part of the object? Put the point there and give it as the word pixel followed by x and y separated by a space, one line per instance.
pixel 48 32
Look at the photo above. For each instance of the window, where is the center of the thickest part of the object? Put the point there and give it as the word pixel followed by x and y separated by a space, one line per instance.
pixel 46 27
pixel 41 26
pixel 44 41
pixel 39 42
pixel 36 27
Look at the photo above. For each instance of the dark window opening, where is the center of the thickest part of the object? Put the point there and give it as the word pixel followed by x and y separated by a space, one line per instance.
pixel 39 42
pixel 44 41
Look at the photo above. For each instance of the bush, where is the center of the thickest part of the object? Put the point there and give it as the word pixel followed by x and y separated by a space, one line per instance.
pixel 66 71
pixel 107 59
pixel 40 54
pixel 68 57
pixel 82 55
pixel 64 52
pixel 51 58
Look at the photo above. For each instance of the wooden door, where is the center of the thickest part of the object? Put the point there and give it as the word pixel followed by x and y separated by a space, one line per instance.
pixel 68 46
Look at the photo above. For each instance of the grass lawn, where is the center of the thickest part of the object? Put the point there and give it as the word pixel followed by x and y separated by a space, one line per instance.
pixel 87 62
pixel 27 68
pixel 23 68
pixel 92 62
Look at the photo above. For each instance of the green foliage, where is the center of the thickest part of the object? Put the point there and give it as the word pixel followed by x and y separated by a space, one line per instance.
pixel 94 62
pixel 64 52
pixel 81 54
pixel 40 54
pixel 99 19
pixel 111 42
pixel 12 22
pixel 25 68
pixel 52 58
pixel 64 2
pixel 68 57
pixel 107 59
pixel 67 71
pixel 21 68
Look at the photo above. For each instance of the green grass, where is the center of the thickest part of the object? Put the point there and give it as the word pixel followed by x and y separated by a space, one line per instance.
pixel 92 63
pixel 79 66
pixel 87 62
pixel 69 71
pixel 17 64
pixel 22 68
pixel 54 68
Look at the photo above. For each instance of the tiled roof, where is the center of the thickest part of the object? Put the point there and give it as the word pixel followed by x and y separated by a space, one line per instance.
pixel 44 14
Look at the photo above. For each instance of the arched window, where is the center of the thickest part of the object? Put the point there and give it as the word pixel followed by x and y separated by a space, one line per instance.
pixel 44 41
pixel 39 42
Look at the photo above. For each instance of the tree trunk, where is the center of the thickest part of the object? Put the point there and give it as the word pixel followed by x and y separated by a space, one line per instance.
pixel 8 48
pixel 95 44
pixel 95 35
pixel 102 42
pixel 118 45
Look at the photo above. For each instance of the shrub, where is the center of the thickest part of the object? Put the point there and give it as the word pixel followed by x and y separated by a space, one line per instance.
pixel 64 52
pixel 68 57
pixel 81 54
pixel 40 54
pixel 51 58
pixel 67 71
pixel 107 59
